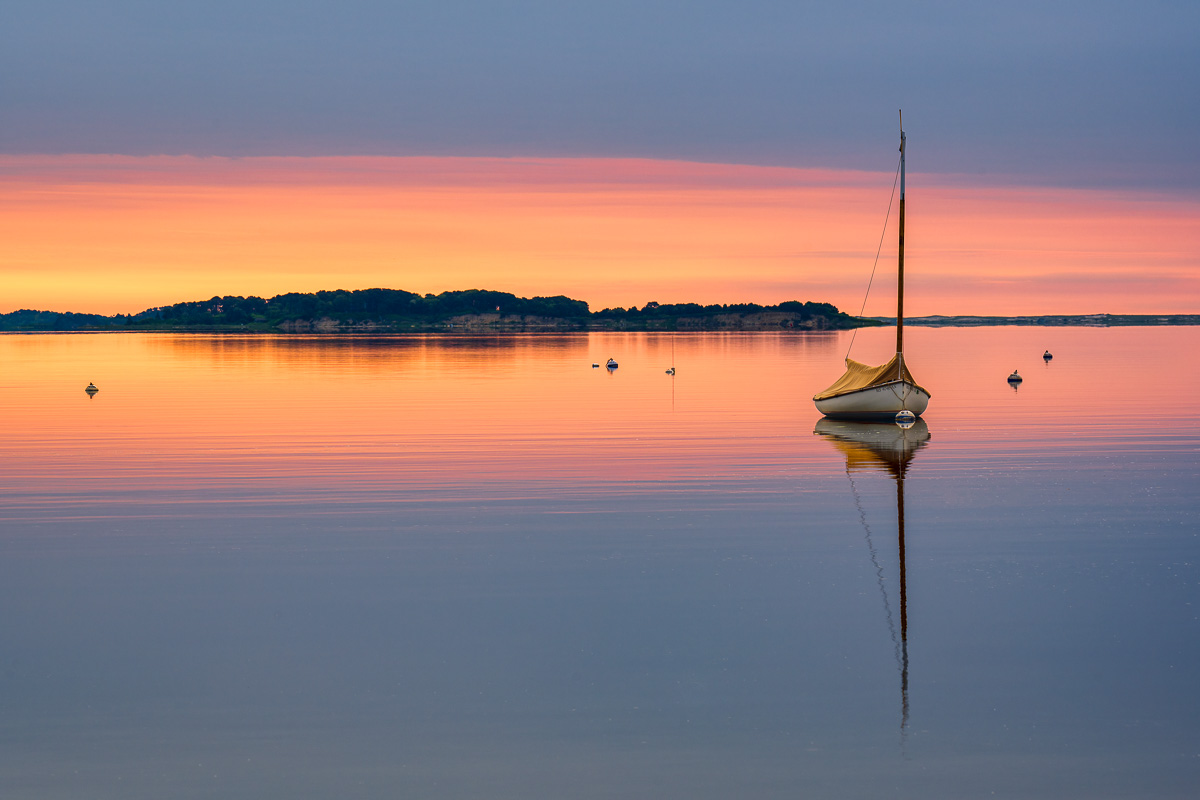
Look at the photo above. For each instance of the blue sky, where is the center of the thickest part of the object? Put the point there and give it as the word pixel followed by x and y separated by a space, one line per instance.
pixel 1067 93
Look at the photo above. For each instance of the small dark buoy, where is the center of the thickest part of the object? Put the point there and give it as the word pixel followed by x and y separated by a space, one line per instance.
pixel 671 371
pixel 1046 356
pixel 595 366
pixel 91 388
pixel 1015 377
pixel 612 363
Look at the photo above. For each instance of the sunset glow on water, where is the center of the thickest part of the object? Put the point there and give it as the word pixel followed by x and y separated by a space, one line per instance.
pixel 340 410
pixel 459 566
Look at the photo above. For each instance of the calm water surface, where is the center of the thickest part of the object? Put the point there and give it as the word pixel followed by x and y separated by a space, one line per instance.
pixel 291 567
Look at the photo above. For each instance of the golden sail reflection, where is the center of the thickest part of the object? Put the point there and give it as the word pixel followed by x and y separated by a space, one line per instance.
pixel 890 448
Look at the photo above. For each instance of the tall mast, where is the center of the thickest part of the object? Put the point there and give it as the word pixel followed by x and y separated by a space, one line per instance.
pixel 900 270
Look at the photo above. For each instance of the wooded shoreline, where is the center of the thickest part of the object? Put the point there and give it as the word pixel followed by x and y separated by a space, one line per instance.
pixel 397 311
pixel 380 311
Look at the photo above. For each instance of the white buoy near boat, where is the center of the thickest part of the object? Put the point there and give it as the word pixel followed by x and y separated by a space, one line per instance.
pixel 905 418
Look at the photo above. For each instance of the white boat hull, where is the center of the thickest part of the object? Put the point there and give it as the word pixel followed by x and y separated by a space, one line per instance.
pixel 876 402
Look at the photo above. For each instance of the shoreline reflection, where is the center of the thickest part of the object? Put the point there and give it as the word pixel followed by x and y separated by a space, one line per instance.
pixel 889 448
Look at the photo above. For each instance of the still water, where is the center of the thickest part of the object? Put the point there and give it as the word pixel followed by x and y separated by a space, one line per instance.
pixel 427 567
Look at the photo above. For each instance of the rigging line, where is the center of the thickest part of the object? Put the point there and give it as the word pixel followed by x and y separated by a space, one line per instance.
pixel 887 606
pixel 878 250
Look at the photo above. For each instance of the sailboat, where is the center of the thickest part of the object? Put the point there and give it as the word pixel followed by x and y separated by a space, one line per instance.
pixel 890 448
pixel 883 392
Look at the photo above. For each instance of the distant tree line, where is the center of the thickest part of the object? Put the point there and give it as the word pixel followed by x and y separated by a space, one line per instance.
pixel 27 320
pixel 377 305
pixel 656 311
pixel 397 309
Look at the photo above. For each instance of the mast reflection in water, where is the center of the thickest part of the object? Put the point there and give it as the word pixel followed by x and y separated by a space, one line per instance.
pixel 890 448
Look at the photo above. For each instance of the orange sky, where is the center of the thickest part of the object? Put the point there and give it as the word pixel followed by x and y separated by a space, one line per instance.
pixel 108 234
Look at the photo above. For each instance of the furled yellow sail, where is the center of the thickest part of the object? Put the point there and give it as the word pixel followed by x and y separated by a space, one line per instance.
pixel 863 376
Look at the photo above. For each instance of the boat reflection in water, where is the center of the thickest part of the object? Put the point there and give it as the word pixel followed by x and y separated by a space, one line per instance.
pixel 884 447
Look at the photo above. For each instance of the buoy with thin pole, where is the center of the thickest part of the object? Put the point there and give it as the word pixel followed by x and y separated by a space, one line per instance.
pixel 91 389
